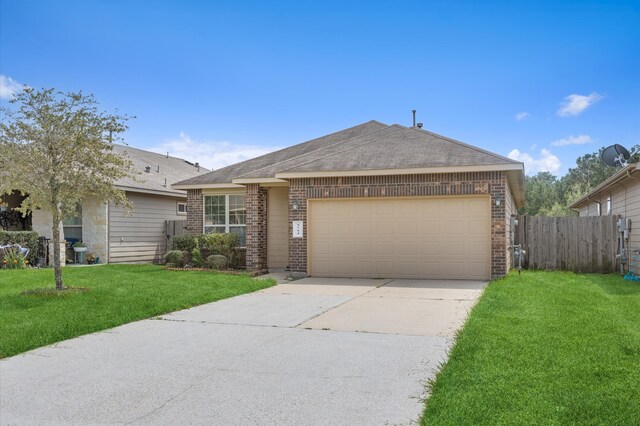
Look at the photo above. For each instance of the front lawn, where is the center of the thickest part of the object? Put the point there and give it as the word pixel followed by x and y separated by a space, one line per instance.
pixel 552 348
pixel 117 294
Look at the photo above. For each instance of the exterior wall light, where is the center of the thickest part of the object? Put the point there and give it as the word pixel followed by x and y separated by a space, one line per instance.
pixel 294 206
pixel 498 201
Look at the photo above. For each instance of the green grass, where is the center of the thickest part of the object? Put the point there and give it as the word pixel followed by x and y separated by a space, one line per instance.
pixel 552 348
pixel 117 294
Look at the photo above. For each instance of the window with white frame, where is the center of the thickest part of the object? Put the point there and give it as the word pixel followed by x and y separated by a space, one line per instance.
pixel 226 214
pixel 72 225
pixel 181 208
pixel 609 205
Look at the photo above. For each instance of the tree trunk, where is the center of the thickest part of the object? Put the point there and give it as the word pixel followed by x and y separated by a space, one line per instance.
pixel 57 268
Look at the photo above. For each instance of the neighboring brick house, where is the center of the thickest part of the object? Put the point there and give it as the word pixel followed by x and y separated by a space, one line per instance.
pixel 370 201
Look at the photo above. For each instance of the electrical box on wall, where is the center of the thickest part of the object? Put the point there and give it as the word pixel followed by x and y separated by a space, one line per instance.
pixel 298 229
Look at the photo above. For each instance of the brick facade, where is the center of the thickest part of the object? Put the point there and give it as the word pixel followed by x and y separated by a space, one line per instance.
pixel 256 204
pixel 494 183
pixel 195 211
pixel 300 190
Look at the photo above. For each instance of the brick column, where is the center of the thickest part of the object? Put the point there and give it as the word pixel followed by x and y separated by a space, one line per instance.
pixel 498 229
pixel 195 207
pixel 256 204
pixel 298 246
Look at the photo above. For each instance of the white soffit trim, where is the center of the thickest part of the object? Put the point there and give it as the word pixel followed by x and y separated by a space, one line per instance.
pixel 258 180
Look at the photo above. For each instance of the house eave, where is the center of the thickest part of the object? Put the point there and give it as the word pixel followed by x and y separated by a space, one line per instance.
pixel 613 180
pixel 207 186
pixel 168 193
pixel 391 172
pixel 241 181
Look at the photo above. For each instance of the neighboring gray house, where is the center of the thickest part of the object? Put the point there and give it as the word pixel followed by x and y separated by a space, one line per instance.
pixel 140 237
pixel 373 200
pixel 618 195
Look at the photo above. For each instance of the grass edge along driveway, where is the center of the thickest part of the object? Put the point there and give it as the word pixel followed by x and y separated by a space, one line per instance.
pixel 545 348
pixel 118 294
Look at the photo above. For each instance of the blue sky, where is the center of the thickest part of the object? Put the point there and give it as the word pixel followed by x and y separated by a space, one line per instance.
pixel 218 82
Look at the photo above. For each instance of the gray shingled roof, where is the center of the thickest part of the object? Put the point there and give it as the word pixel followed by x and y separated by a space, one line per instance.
pixel 161 167
pixel 227 174
pixel 369 146
pixel 409 148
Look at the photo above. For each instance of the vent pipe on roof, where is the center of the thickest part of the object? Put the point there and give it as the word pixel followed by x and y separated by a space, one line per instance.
pixel 158 170
pixel 147 169
pixel 165 182
pixel 167 154
pixel 197 166
pixel 414 117
pixel 419 125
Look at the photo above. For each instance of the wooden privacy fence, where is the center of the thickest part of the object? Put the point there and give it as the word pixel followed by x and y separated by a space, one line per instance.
pixel 172 228
pixel 579 244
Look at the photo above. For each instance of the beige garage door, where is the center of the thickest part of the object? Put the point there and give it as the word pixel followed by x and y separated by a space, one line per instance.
pixel 434 237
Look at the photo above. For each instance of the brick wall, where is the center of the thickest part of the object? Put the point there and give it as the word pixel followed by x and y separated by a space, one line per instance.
pixel 494 183
pixel 195 208
pixel 256 204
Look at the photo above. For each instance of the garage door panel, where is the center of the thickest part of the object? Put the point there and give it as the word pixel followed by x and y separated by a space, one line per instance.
pixel 384 268
pixel 363 247
pixel 408 248
pixel 365 227
pixel 429 249
pixel 383 227
pixel 474 226
pixel 476 248
pixel 383 247
pixel 322 228
pixel 429 227
pixel 436 237
pixel 321 248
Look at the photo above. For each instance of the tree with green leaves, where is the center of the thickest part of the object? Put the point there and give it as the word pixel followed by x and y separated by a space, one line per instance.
pixel 541 193
pixel 57 150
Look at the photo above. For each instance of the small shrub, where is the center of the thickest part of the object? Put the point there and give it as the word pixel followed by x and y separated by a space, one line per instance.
pixel 217 261
pixel 13 259
pixel 221 244
pixel 196 258
pixel 27 239
pixel 184 242
pixel 178 258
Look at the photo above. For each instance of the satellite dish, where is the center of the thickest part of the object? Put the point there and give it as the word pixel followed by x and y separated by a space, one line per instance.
pixel 615 156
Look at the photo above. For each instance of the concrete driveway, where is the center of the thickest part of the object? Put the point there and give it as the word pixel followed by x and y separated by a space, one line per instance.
pixel 313 352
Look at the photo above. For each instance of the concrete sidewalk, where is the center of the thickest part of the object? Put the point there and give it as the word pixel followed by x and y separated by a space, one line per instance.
pixel 245 360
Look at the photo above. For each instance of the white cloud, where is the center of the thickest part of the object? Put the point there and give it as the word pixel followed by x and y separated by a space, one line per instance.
pixel 574 105
pixel 9 87
pixel 522 116
pixel 573 140
pixel 210 154
pixel 547 162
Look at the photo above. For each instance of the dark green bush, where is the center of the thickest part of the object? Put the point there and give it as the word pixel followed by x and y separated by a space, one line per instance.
pixel 185 242
pixel 221 244
pixel 177 258
pixel 196 258
pixel 27 239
